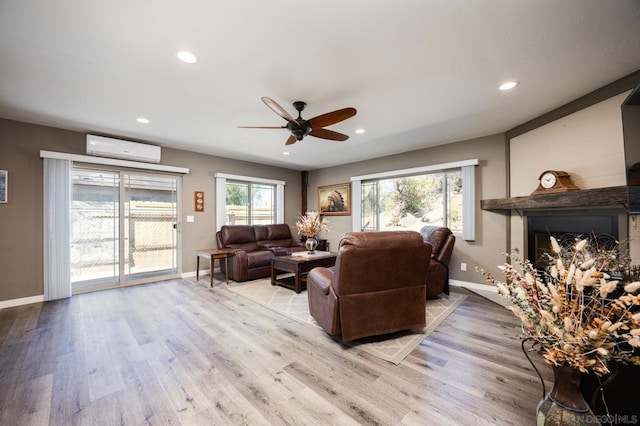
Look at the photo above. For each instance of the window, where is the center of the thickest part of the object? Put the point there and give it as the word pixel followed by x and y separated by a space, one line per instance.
pixel 242 200
pixel 250 203
pixel 123 227
pixel 409 199
pixel 410 202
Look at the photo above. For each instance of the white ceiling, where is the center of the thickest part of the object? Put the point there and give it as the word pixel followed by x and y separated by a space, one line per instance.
pixel 420 73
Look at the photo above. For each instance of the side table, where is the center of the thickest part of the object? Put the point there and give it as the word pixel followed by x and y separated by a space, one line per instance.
pixel 211 255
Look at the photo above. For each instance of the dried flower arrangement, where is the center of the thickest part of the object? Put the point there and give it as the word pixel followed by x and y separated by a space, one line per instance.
pixel 311 224
pixel 576 312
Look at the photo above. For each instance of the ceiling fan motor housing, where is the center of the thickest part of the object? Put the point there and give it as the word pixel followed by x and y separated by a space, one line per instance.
pixel 299 128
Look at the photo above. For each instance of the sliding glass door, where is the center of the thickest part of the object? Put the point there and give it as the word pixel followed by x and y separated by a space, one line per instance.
pixel 124 228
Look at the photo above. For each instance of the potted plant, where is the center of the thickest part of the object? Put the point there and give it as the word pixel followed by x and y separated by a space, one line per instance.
pixel 310 225
pixel 582 313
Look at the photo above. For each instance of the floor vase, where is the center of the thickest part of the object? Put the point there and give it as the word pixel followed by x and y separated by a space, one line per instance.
pixel 565 405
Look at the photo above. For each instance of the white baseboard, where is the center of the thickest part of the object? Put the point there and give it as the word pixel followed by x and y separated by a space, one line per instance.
pixel 472 286
pixel 202 273
pixel 488 291
pixel 22 301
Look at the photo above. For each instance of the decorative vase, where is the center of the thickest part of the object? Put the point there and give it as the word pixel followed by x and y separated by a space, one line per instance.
pixel 565 405
pixel 311 243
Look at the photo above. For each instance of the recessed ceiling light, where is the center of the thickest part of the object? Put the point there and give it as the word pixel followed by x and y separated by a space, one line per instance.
pixel 286 153
pixel 508 85
pixel 143 120
pixel 360 131
pixel 187 57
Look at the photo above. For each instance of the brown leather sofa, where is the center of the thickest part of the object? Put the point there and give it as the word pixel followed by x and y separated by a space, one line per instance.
pixel 442 242
pixel 376 287
pixel 255 246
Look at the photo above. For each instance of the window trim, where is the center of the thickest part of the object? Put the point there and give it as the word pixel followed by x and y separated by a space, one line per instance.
pixel 468 191
pixel 221 195
pixel 77 158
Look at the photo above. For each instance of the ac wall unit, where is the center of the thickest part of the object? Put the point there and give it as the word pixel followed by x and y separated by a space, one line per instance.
pixel 117 148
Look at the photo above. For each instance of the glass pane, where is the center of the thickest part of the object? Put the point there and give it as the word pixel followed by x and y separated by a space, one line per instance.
pixel 237 203
pixel 454 198
pixel 150 232
pixel 434 212
pixel 405 203
pixel 94 228
pixel 262 204
pixel 369 206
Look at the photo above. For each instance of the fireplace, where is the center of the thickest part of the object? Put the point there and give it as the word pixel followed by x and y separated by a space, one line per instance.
pixel 608 226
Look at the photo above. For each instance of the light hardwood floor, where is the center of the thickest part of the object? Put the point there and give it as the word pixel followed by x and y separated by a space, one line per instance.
pixel 179 352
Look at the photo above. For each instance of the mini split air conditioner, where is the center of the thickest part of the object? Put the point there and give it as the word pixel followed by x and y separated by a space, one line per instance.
pixel 116 148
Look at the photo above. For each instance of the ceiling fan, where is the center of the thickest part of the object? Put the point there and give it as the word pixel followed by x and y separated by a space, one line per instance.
pixel 299 127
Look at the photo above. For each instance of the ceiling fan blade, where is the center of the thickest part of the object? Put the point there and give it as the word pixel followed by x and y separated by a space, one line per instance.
pixel 328 134
pixel 262 127
pixel 275 107
pixel 292 139
pixel 331 117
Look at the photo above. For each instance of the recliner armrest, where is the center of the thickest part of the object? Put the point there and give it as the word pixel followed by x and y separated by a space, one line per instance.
pixel 279 251
pixel 321 278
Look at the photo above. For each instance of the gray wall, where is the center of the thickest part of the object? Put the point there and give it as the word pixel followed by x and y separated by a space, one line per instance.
pixel 21 219
pixel 491 228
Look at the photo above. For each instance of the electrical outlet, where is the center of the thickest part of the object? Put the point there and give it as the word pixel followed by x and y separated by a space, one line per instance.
pixel 463 266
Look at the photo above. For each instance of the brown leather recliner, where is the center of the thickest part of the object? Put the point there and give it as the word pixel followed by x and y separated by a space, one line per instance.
pixel 442 242
pixel 376 287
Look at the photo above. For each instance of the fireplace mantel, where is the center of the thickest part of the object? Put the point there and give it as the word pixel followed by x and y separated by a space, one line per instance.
pixel 614 196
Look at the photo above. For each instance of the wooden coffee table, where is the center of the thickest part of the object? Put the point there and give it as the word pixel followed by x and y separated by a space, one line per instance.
pixel 299 265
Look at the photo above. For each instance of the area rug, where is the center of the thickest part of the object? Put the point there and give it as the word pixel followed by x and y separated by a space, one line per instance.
pixel 393 347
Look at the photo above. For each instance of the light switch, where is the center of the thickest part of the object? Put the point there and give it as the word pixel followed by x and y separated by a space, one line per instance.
pixel 190 219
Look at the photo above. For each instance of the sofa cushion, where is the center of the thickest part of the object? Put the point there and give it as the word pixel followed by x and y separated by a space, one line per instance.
pixel 238 237
pixel 279 235
pixel 261 235
pixel 259 258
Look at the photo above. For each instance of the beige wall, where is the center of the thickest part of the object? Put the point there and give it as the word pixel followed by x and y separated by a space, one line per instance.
pixel 21 248
pixel 588 144
pixel 21 218
pixel 201 233
pixel 486 251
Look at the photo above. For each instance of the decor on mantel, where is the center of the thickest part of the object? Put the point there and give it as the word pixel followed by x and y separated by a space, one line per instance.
pixel 552 181
pixel 311 225
pixel 582 313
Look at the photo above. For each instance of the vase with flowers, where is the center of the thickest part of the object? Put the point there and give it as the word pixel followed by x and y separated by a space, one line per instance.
pixel 311 225
pixel 582 313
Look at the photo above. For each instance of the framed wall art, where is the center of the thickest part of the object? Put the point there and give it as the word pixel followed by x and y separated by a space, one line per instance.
pixel 198 197
pixel 4 185
pixel 335 200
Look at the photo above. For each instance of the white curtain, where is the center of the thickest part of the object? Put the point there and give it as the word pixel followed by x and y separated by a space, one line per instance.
pixel 57 228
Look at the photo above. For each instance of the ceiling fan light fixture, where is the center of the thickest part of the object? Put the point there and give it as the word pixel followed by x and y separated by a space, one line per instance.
pixel 300 127
pixel 187 57
pixel 508 85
